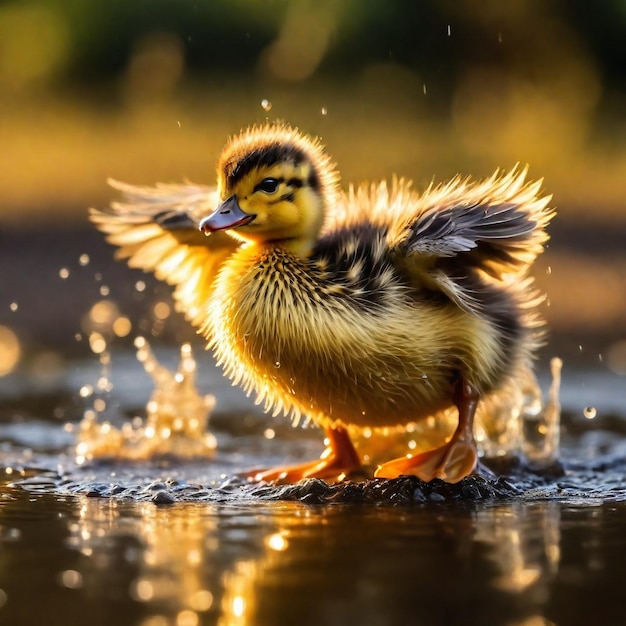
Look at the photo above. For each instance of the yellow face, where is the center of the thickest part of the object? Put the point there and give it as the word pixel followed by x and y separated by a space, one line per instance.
pixel 281 197
pixel 274 185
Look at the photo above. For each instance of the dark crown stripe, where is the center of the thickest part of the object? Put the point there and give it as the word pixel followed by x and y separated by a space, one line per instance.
pixel 266 156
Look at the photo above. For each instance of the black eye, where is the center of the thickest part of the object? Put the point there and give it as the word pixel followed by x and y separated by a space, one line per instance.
pixel 268 185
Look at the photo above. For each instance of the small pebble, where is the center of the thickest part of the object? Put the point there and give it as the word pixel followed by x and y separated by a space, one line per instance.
pixel 163 497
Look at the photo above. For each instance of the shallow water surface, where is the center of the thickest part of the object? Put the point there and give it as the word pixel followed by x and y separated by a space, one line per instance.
pixel 170 542
pixel 82 560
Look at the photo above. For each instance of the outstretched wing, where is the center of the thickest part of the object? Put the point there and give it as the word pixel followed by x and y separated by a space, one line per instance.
pixel 496 226
pixel 156 229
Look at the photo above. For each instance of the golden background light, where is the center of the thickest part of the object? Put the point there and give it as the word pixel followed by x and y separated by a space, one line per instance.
pixel 10 350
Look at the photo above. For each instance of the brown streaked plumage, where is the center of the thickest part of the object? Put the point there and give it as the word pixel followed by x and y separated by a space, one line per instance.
pixel 375 307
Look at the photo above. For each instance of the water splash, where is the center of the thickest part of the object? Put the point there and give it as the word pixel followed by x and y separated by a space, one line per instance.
pixel 519 420
pixel 590 412
pixel 176 417
pixel 515 420
pixel 544 447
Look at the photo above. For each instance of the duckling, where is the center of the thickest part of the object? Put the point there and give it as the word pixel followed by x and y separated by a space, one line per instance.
pixel 372 307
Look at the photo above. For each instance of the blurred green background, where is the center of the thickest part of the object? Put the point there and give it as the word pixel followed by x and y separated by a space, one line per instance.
pixel 148 90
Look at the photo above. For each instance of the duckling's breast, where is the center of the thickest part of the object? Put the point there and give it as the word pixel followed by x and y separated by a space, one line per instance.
pixel 316 343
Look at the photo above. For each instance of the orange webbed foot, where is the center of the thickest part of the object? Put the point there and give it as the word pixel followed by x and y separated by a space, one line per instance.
pixel 337 461
pixel 451 463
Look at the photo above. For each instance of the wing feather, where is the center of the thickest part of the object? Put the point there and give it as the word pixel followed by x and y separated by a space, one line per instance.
pixel 441 236
pixel 497 225
pixel 156 230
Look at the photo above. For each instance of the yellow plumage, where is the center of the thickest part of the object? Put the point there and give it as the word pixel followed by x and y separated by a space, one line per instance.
pixel 375 307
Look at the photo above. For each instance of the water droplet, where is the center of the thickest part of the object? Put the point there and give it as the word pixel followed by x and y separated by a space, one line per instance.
pixel 324 111
pixel 97 343
pixel 201 600
pixel 178 123
pixel 83 259
pixel 104 290
pixel 449 30
pixel 140 286
pixel 549 270
pixel 499 37
pixel 122 327
pixel 142 590
pixel 71 579
pixel 162 310
pixel 85 391
pixel 187 617
pixel 277 364
pixel 590 412
pixel 103 313
pixel 424 88
pixel 266 105
pixel 13 306
pixel 269 433
pixel 64 273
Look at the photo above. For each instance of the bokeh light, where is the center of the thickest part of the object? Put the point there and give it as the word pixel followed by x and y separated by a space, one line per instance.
pixel 10 350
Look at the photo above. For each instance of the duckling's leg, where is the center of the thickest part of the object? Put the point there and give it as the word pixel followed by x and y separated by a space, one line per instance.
pixel 338 460
pixel 451 462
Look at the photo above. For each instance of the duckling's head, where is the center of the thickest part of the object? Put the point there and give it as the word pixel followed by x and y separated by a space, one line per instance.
pixel 274 185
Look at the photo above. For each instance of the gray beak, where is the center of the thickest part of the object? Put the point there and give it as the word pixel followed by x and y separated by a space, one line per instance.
pixel 227 215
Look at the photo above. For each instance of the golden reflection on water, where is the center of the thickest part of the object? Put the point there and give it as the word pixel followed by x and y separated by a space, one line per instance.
pixel 280 562
pixel 170 555
pixel 524 559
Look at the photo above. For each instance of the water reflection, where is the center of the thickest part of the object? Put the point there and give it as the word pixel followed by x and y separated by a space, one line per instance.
pixel 101 561
pixel 288 563
pixel 169 552
pixel 527 539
